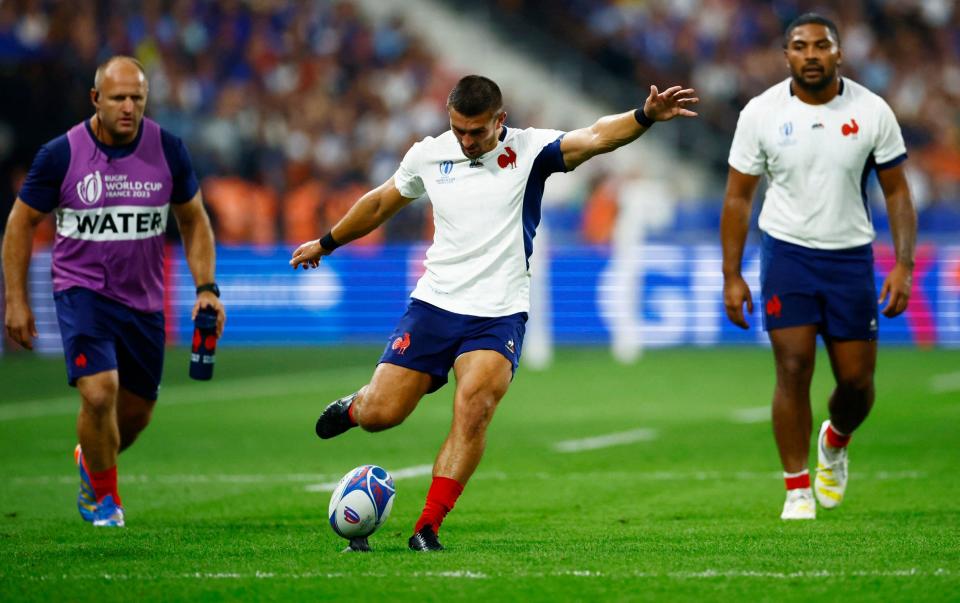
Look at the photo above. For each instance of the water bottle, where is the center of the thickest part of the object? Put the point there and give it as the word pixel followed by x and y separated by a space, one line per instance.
pixel 204 344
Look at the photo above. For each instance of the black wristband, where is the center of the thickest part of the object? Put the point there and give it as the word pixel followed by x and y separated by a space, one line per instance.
pixel 642 118
pixel 328 242
pixel 211 287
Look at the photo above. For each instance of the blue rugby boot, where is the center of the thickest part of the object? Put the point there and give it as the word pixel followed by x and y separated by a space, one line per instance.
pixel 86 498
pixel 108 514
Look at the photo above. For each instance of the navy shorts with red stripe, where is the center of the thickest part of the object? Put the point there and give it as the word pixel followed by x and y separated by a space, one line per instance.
pixel 834 289
pixel 430 339
pixel 100 334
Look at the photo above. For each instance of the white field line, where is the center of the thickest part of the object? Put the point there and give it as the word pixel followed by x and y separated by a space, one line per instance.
pixel 756 414
pixel 947 382
pixel 420 470
pixel 226 391
pixel 706 574
pixel 606 441
pixel 415 471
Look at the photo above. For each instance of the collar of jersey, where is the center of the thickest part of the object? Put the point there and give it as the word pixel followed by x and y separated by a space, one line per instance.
pixel 115 151
pixel 495 150
pixel 839 92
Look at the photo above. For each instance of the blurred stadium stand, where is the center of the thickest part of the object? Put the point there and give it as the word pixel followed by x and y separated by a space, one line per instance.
pixel 292 109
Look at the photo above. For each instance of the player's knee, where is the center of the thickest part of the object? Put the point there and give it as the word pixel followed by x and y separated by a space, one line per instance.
pixel 379 419
pixel 131 426
pixel 99 398
pixel 795 368
pixel 375 413
pixel 135 421
pixel 474 413
pixel 857 385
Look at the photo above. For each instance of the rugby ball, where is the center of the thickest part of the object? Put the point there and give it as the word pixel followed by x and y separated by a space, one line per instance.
pixel 361 502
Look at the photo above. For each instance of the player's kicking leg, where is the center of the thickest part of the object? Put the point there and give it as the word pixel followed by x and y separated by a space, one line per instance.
pixel 385 402
pixel 853 363
pixel 794 350
pixel 483 377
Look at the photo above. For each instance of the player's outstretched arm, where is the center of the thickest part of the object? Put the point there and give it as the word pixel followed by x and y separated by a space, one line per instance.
pixel 903 227
pixel 17 249
pixel 371 210
pixel 198 246
pixel 613 131
pixel 734 223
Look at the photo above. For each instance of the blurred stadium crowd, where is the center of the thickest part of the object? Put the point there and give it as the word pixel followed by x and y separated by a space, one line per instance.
pixel 292 109
pixel 907 51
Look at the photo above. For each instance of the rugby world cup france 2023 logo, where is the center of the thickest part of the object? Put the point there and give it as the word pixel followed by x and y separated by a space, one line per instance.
pixel 90 188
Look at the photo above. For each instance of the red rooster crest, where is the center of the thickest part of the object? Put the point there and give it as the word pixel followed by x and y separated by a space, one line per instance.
pixel 508 158
pixel 400 344
pixel 774 307
pixel 852 128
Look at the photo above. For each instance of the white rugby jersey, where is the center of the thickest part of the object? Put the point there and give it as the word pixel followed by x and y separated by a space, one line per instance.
pixel 485 214
pixel 817 159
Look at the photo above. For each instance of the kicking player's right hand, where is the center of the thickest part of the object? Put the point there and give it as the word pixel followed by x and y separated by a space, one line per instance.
pixel 20 324
pixel 736 292
pixel 308 255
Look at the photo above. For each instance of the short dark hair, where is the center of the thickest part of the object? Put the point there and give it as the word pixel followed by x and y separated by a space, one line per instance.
pixel 475 95
pixel 807 19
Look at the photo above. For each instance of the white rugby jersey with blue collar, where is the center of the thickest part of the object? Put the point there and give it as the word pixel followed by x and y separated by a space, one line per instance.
pixel 817 159
pixel 485 215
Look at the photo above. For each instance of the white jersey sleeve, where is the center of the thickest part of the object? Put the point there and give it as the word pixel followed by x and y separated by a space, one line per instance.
pixel 541 138
pixel 889 145
pixel 746 151
pixel 407 177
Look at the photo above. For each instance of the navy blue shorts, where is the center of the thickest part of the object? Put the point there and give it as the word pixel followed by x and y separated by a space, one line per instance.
pixel 831 288
pixel 429 339
pixel 100 334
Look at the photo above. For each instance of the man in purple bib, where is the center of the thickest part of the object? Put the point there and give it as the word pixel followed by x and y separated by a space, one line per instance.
pixel 111 180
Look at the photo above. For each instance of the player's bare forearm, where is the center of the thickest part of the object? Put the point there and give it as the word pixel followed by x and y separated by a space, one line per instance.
pixel 614 131
pixel 903 227
pixel 901 213
pixel 609 133
pixel 200 250
pixel 735 218
pixel 17 250
pixel 370 211
pixel 198 241
pixel 734 223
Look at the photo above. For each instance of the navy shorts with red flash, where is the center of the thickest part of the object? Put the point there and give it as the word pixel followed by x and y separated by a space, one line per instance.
pixel 834 289
pixel 430 339
pixel 100 334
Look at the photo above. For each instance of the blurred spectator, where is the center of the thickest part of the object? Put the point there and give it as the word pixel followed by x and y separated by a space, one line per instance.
pixel 291 109
pixel 731 50
pixel 243 212
pixel 253 88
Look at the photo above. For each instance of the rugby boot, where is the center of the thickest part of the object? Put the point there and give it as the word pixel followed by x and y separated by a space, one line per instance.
pixel 108 514
pixel 86 498
pixel 425 540
pixel 831 480
pixel 335 418
pixel 358 545
pixel 799 505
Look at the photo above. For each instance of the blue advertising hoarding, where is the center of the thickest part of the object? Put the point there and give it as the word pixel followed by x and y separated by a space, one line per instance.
pixel 647 296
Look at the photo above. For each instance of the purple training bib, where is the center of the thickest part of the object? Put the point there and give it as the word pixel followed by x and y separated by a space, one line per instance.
pixel 112 218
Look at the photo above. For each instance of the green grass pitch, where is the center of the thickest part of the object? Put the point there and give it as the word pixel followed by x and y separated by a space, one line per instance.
pixel 222 492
